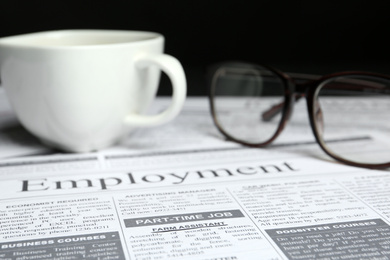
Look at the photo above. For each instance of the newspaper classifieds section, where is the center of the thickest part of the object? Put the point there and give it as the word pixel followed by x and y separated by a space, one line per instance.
pixel 366 239
pixel 61 229
pixel 243 219
pixel 202 223
pixel 300 202
pixel 352 211
pixel 48 217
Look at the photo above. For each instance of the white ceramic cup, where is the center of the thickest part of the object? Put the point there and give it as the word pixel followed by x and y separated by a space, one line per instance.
pixel 82 90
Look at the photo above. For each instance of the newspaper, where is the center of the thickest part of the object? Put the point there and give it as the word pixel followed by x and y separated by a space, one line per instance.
pixel 162 194
pixel 279 207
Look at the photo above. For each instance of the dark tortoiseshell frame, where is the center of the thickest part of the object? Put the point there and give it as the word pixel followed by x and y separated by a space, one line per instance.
pixel 296 86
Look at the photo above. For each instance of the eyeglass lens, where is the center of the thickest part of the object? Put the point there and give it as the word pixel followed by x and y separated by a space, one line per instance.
pixel 353 118
pixel 240 95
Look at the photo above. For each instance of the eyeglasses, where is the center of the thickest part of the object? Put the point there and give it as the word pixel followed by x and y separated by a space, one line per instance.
pixel 349 112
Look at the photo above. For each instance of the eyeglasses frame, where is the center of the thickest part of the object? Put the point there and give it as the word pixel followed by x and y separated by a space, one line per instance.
pixel 293 91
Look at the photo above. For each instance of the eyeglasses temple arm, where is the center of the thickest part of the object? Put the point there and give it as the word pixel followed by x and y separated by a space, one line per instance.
pixel 276 109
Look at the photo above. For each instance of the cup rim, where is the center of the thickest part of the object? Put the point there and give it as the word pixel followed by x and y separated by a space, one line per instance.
pixel 28 40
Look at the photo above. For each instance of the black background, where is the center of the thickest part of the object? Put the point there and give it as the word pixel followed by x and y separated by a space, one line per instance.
pixel 305 36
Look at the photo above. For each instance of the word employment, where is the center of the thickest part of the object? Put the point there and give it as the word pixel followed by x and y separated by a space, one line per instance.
pixel 118 182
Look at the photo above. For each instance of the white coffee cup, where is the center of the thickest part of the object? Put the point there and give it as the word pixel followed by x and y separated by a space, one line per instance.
pixel 82 90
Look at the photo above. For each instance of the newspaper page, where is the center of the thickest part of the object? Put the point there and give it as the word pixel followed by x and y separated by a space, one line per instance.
pixel 198 206
pixel 182 192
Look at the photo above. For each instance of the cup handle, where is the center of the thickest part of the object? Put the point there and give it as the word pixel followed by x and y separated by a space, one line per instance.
pixel 172 67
